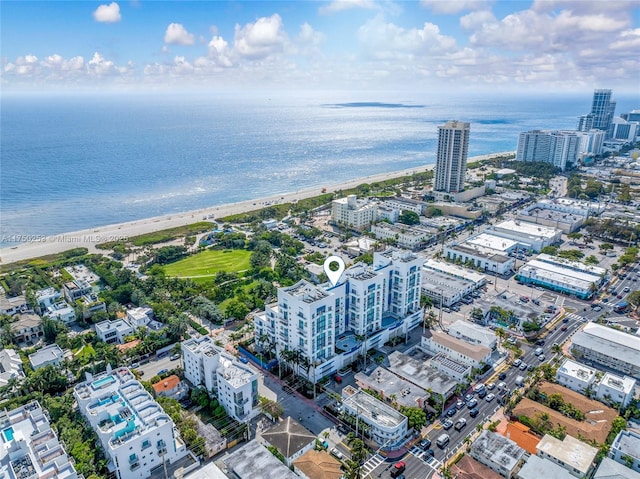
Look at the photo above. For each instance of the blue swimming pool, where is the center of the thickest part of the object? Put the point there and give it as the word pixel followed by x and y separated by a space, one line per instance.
pixel 105 381
pixel 8 433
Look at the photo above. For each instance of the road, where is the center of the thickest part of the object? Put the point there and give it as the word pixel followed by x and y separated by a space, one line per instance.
pixel 150 369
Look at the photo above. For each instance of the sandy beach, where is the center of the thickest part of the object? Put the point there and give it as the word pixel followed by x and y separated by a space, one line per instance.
pixel 36 246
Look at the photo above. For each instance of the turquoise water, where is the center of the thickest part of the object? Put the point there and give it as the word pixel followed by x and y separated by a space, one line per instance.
pixel 8 433
pixel 103 382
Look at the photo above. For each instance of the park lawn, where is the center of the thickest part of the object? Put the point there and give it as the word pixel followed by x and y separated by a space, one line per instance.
pixel 210 262
pixel 85 353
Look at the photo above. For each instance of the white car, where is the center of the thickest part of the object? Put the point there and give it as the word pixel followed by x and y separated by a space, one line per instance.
pixel 490 386
pixel 517 362
pixel 490 397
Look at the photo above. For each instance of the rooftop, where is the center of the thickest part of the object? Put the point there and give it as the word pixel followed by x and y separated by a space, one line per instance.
pixel 524 228
pixel 497 449
pixel 383 380
pixel 557 272
pixel 577 370
pixel 371 408
pixel 203 345
pixel 455 270
pixel 448 363
pixel 574 265
pixel 434 280
pixel 468 468
pixel 319 465
pixel 235 373
pixel 609 341
pixel 537 467
pixel 576 454
pixel 610 469
pixel 494 242
pixel 49 353
pixel 289 437
pixel 167 384
pixel 474 351
pixel 10 366
pixel 628 442
pixel 479 251
pixel 306 291
pixel 360 272
pixel 421 374
pixel 253 461
pixel 623 384
pixel 473 331
pixel 27 320
pixel 522 436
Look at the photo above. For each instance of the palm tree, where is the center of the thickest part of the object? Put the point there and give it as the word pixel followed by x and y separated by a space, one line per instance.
pixel 500 334
pixel 556 348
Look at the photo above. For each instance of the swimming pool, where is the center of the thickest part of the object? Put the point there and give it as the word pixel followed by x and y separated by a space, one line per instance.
pixel 8 434
pixel 100 383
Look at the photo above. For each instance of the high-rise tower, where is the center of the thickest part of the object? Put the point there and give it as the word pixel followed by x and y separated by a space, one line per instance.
pixel 602 109
pixel 451 157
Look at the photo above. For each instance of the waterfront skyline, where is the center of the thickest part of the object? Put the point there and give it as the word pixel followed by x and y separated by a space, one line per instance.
pixel 354 44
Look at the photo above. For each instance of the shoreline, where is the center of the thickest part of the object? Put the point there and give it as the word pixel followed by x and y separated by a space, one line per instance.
pixel 37 245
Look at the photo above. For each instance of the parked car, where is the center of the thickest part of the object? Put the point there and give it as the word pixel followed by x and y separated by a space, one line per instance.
pixel 174 357
pixel 460 404
pixel 490 386
pixel 337 454
pixel 517 362
pixel 468 397
pixel 448 424
pixel 490 397
pixel 460 423
pixel 541 357
pixel 523 366
pixel 502 375
pixel 163 371
pixel 451 412
pixel 473 403
pixel 474 412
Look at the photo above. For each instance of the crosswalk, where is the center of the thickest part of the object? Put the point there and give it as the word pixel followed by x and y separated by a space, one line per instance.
pixel 575 317
pixel 373 462
pixel 424 457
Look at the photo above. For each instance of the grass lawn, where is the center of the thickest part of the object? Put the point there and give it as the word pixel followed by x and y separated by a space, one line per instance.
pixel 208 263
pixel 85 353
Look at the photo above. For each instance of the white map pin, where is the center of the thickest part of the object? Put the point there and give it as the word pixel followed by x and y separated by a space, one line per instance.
pixel 334 276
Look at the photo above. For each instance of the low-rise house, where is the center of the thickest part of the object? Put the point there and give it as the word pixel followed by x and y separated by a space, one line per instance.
pixel 47 297
pixel 254 461
pixel 139 317
pixel 12 305
pixel 498 453
pixel 113 331
pixel 522 436
pixel 575 376
pixel 51 355
pixel 290 438
pixel 171 387
pixel 387 427
pixel 472 354
pixel 27 329
pixel 615 389
pixel 317 465
pixel 573 455
pixel 10 366
pixel 422 374
pixel 469 468
pixel 76 289
pixel 537 468
pixel 625 449
pixel 473 333
pixel 610 469
pixel 31 448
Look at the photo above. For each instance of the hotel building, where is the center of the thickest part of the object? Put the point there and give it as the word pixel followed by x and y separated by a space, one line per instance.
pixel 451 156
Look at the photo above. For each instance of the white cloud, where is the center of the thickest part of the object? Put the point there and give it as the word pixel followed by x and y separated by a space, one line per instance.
pixel 476 20
pixel 454 6
pixel 308 36
pixel 100 66
pixel 178 35
pixel 261 39
pixel 219 51
pixel 341 5
pixel 107 13
pixel 386 40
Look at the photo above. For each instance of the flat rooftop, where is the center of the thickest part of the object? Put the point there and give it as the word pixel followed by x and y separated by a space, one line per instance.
pixel 435 280
pixel 236 374
pixel 524 228
pixel 610 469
pixel 448 363
pixel 537 467
pixel 490 241
pixel 371 409
pixel 306 291
pixel 609 341
pixel 474 351
pixel 628 442
pixel 480 252
pixel 254 461
pixel 577 370
pixel 381 379
pixel 624 384
pixel 536 269
pixel 360 272
pixel 571 451
pixel 455 271
pixel 573 265
pixel 552 215
pixel 421 374
pixel 497 449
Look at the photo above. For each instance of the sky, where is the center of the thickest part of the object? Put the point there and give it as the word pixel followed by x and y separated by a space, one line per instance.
pixel 465 45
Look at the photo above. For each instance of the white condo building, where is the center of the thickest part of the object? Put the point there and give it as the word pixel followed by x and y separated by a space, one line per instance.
pixel 556 147
pixel 352 212
pixel 575 376
pixel 137 436
pixel 234 384
pixel 30 448
pixel 530 236
pixel 616 389
pixel 372 302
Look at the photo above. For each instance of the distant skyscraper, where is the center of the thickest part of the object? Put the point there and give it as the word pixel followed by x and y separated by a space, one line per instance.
pixel 602 109
pixel 585 122
pixel 451 157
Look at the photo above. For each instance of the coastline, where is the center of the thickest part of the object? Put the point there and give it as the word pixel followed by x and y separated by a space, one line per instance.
pixel 38 246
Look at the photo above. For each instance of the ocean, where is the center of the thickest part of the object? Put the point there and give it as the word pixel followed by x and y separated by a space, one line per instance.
pixel 76 162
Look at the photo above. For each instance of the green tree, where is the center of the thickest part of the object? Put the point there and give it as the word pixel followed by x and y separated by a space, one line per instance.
pixel 416 417
pixel 237 309
pixel 409 218
pixel 634 299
